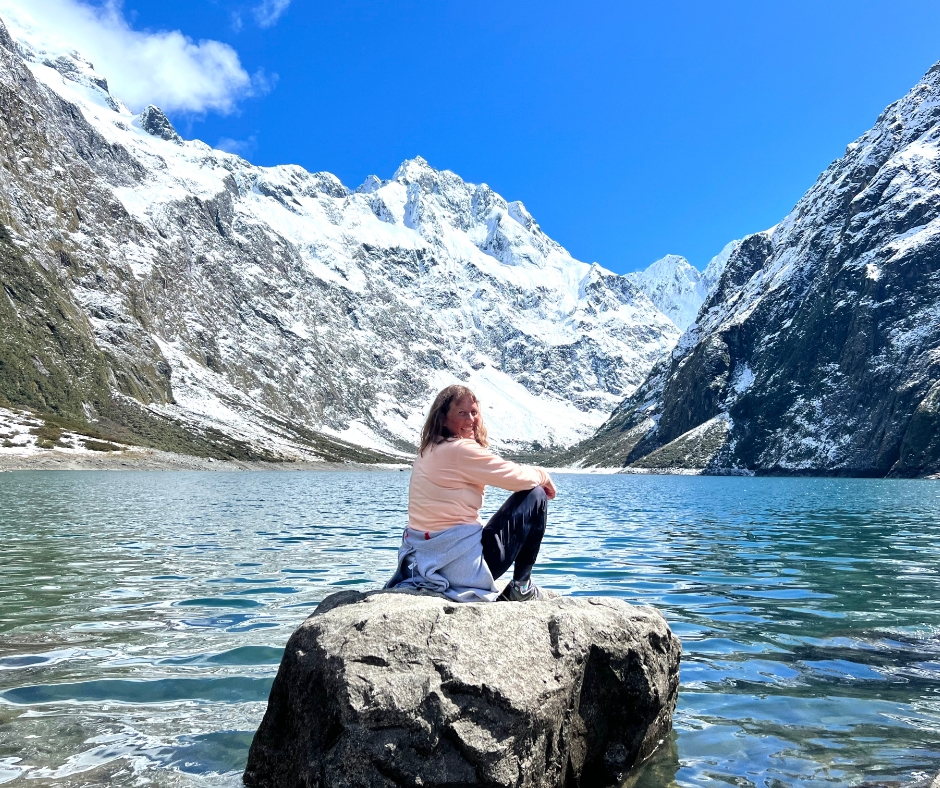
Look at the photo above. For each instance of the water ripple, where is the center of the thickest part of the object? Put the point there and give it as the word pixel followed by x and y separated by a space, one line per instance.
pixel 145 614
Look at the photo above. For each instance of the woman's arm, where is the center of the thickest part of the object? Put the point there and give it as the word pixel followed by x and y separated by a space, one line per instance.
pixel 476 465
pixel 549 488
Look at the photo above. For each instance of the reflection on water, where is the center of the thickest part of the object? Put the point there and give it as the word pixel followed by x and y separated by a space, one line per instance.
pixel 143 614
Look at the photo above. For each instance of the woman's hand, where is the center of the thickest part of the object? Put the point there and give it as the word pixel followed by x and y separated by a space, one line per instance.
pixel 549 488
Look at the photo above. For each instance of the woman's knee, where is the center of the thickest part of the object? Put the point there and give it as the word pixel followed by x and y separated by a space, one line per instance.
pixel 536 504
pixel 527 500
pixel 539 496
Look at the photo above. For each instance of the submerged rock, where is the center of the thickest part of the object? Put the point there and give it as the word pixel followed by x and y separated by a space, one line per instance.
pixel 391 688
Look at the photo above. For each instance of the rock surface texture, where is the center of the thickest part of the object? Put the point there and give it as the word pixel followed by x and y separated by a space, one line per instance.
pixel 393 689
pixel 275 309
pixel 818 352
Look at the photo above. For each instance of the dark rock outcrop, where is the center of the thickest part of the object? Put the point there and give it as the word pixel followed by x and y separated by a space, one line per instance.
pixel 156 123
pixel 391 689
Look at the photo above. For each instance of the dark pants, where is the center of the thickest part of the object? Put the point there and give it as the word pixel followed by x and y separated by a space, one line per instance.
pixel 514 534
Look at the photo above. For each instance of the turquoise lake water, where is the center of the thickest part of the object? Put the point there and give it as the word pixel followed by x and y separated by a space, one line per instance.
pixel 143 615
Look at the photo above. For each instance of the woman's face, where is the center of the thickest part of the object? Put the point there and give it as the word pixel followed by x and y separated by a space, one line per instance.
pixel 463 415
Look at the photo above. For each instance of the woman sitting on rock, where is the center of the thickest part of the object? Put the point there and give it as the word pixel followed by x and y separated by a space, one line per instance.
pixel 446 548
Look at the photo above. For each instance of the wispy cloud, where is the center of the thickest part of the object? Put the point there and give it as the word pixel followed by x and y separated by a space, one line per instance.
pixel 267 12
pixel 162 67
pixel 243 148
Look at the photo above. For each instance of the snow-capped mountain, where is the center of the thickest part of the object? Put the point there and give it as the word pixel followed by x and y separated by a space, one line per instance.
pixel 677 288
pixel 818 351
pixel 276 309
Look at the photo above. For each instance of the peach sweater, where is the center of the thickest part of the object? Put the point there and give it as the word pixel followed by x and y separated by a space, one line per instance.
pixel 447 483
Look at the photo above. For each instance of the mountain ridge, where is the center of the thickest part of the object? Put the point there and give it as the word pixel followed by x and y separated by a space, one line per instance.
pixel 818 351
pixel 279 311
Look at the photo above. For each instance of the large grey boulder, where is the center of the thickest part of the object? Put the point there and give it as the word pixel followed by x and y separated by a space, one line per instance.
pixel 398 689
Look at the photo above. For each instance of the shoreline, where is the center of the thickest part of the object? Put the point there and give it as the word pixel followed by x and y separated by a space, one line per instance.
pixel 143 459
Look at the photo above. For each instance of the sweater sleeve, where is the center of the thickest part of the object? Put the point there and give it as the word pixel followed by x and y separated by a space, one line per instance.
pixel 476 465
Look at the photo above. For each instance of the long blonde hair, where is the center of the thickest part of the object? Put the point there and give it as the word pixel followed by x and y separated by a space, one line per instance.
pixel 434 431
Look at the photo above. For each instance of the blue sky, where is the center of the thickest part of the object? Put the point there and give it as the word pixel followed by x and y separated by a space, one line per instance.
pixel 629 130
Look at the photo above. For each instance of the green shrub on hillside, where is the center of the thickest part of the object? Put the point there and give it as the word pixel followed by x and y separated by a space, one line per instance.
pixel 93 445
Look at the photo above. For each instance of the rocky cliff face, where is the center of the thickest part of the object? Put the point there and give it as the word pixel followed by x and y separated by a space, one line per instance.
pixel 819 349
pixel 158 281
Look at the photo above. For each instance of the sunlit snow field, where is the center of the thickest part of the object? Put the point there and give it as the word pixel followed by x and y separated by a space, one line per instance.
pixel 142 615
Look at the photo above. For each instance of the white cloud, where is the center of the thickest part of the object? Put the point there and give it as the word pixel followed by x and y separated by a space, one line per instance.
pixel 243 148
pixel 163 67
pixel 267 12
pixel 262 82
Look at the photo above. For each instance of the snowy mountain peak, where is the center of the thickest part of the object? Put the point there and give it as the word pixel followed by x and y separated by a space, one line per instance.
pixel 678 288
pixel 672 283
pixel 816 353
pixel 37 48
pixel 267 304
pixel 448 212
pixel 417 170
pixel 370 184
pixel 715 268
pixel 76 68
pixel 672 267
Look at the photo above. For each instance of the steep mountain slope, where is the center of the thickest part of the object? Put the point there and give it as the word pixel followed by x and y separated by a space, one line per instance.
pixel 677 288
pixel 819 349
pixel 164 285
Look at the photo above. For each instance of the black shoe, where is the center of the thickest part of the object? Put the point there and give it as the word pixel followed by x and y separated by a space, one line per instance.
pixel 513 593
